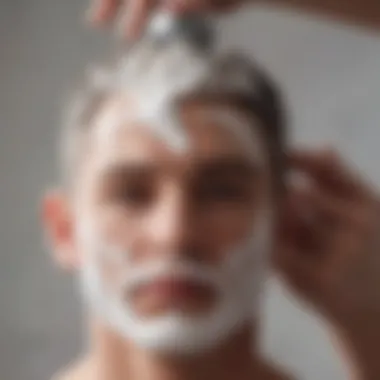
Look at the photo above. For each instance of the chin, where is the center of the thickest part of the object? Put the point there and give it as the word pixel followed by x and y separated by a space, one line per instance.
pixel 173 335
pixel 180 334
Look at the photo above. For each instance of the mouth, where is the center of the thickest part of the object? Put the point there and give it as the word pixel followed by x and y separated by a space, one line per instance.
pixel 170 293
pixel 173 288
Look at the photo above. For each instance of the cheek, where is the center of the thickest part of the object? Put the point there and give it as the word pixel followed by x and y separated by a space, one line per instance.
pixel 104 235
pixel 226 228
pixel 111 274
pixel 111 225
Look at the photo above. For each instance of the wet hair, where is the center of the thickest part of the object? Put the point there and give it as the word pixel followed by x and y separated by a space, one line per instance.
pixel 233 79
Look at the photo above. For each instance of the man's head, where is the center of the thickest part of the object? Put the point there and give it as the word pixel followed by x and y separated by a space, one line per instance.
pixel 174 164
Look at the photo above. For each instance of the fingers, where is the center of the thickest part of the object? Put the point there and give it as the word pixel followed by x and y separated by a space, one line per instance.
pixel 136 14
pixel 335 191
pixel 309 218
pixel 324 206
pixel 296 253
pixel 133 14
pixel 181 6
pixel 102 11
pixel 308 214
pixel 328 170
pixel 214 6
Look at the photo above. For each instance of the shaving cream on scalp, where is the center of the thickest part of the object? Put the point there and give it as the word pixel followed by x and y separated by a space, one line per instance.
pixel 153 78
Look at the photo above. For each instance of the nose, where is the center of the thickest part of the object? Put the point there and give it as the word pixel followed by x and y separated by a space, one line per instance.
pixel 170 227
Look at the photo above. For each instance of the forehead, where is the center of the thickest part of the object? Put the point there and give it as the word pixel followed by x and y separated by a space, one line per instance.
pixel 213 131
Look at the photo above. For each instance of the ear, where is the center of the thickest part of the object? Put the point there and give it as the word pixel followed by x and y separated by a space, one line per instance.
pixel 58 223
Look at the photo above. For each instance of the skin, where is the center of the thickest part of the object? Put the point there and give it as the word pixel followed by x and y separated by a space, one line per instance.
pixel 204 199
pixel 132 15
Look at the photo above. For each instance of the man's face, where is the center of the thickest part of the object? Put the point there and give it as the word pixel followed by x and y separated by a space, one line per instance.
pixel 173 237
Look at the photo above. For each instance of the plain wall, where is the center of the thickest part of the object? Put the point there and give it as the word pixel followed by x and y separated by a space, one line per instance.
pixel 331 75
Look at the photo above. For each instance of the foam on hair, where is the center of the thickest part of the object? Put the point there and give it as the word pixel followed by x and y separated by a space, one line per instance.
pixel 158 76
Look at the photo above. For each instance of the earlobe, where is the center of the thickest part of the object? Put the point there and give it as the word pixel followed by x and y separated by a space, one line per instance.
pixel 58 225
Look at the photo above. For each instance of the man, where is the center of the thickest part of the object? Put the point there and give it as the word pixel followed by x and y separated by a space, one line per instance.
pixel 132 15
pixel 175 197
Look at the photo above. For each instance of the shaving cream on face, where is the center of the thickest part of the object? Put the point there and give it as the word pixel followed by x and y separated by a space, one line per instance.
pixel 176 136
pixel 116 119
pixel 236 281
pixel 153 79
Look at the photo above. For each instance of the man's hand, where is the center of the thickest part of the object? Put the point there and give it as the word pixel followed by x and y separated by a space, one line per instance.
pixel 329 251
pixel 133 14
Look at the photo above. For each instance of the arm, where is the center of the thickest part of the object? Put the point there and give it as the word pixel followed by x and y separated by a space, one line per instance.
pixel 363 12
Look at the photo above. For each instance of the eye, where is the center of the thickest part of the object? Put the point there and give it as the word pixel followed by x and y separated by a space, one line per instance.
pixel 133 194
pixel 222 191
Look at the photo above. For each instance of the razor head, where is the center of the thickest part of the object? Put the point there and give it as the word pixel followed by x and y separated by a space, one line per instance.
pixel 193 29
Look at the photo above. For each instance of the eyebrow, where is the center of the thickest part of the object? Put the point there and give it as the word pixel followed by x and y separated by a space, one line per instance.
pixel 235 166
pixel 232 166
pixel 130 170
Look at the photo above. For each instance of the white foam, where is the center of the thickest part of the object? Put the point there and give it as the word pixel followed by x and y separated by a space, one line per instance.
pixel 153 80
pixel 237 281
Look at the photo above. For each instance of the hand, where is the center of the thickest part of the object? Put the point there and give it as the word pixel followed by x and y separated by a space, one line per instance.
pixel 329 250
pixel 134 14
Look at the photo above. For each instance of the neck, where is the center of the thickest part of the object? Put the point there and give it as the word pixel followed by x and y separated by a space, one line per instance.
pixel 114 358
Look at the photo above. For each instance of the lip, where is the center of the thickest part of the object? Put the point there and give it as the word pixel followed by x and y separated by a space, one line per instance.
pixel 173 289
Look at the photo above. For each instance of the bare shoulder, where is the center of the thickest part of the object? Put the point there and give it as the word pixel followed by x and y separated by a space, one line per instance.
pixel 65 375
pixel 73 372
